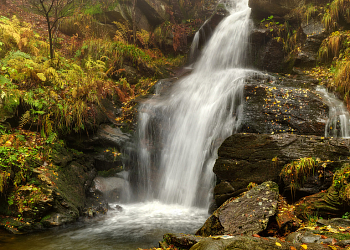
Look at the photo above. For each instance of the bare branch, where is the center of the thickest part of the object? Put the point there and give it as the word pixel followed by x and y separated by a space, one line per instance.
pixel 53 11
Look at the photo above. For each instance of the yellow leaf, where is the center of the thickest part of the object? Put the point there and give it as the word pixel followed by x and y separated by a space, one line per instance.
pixel 304 246
pixel 41 76
pixel 278 244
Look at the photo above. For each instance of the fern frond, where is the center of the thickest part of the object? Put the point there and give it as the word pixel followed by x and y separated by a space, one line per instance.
pixel 24 119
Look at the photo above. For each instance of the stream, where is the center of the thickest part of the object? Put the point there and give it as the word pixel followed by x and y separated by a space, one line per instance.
pixel 140 225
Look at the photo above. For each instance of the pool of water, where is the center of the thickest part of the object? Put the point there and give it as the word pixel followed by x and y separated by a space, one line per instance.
pixel 139 225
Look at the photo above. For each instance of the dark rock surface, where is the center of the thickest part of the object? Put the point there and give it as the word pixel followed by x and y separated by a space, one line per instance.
pixel 333 202
pixel 248 243
pixel 281 8
pixel 107 135
pixel 110 187
pixel 283 106
pixel 224 242
pixel 60 198
pixel 267 53
pixel 264 8
pixel 245 158
pixel 314 33
pixel 249 214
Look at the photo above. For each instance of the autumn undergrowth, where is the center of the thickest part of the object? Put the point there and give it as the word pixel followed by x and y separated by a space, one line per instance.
pixel 64 95
pixel 21 153
pixel 52 98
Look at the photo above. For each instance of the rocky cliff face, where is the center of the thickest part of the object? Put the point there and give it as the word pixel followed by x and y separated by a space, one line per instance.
pixel 245 158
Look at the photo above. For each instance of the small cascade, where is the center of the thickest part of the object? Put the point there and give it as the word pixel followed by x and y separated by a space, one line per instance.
pixel 200 37
pixel 338 124
pixel 180 132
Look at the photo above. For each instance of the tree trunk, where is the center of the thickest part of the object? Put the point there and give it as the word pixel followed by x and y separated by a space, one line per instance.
pixel 49 28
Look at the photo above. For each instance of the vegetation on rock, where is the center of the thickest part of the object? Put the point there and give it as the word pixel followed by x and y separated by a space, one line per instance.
pixel 52 89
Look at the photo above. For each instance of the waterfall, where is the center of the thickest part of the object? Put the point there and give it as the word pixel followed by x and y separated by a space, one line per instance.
pixel 199 37
pixel 338 124
pixel 180 132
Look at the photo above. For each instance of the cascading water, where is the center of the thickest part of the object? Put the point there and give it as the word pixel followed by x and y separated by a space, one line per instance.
pixel 338 124
pixel 201 111
pixel 200 36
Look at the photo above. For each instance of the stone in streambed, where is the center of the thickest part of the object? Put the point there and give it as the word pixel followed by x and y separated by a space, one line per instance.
pixel 248 214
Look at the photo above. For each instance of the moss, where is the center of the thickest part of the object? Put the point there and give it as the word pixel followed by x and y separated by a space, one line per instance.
pixel 47 217
pixel 111 172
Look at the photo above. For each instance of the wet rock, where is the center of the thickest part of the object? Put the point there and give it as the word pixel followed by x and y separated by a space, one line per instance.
pixel 108 135
pixel 281 108
pixel 111 187
pixel 16 226
pixel 314 32
pixel 325 204
pixel 266 53
pixel 223 242
pixel 59 219
pixel 119 208
pixel 335 222
pixel 184 241
pixel 60 197
pixel 264 8
pixel 245 243
pixel 223 191
pixel 269 54
pixel 333 202
pixel 244 158
pixel 249 214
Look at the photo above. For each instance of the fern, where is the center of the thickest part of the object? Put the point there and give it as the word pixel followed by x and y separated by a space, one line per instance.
pixel 24 119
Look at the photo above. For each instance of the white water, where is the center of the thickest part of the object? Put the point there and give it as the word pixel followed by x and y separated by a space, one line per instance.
pixel 201 111
pixel 139 225
pixel 338 124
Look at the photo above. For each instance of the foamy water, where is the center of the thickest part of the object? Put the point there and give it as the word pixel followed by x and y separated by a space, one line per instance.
pixel 139 225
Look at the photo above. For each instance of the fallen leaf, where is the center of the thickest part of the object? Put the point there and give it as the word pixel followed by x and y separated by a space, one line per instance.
pixel 278 244
pixel 304 246
pixel 334 241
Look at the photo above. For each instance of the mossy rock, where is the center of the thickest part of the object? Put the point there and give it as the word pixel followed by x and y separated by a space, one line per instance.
pixel 333 202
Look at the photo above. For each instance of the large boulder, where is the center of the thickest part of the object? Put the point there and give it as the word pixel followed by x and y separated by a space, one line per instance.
pixel 267 53
pixel 245 158
pixel 247 215
pixel 112 188
pixel 281 8
pixel 314 33
pixel 288 105
pixel 333 202
pixel 264 8
pixel 156 11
